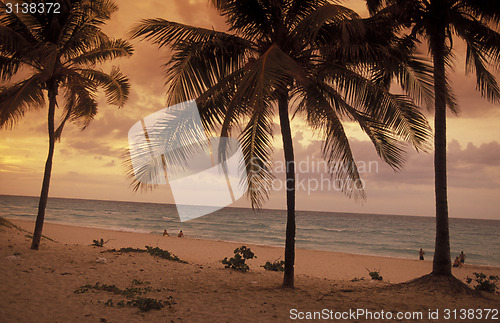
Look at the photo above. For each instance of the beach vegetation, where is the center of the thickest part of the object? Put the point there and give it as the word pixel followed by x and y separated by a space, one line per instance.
pixel 98 243
pixel 375 274
pixel 441 23
pixel 132 293
pixel 153 251
pixel 276 265
pixel 484 282
pixel 146 304
pixel 356 279
pixel 30 236
pixel 128 249
pixel 238 262
pixel 140 282
pixel 53 56
pixel 164 254
pixel 315 60
pixel 6 223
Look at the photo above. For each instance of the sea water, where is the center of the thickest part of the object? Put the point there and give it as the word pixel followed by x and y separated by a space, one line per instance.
pixel 367 234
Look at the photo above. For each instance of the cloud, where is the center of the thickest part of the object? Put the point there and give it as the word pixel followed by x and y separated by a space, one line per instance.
pixel 91 147
pixel 487 154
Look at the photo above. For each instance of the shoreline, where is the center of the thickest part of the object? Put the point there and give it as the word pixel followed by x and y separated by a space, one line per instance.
pixel 159 234
pixel 317 263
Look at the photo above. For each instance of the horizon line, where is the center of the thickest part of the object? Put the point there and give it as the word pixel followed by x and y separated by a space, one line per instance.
pixel 249 208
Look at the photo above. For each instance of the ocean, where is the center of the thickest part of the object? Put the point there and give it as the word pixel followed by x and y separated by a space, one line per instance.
pixel 366 234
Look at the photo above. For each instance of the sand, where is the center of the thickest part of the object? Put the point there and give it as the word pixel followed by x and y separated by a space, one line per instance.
pixel 40 285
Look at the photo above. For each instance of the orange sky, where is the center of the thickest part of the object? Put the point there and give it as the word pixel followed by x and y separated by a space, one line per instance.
pixel 88 165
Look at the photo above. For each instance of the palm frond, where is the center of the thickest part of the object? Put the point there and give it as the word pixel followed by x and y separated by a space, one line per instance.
pixel 115 84
pixel 18 98
pixel 374 6
pixel 11 42
pixel 198 66
pixel 483 44
pixel 479 35
pixel 81 103
pixel 163 32
pixel 395 111
pixel 486 82
pixel 8 67
pixel 310 26
pixel 214 103
pixel 296 10
pixel 81 39
pixel 104 52
pixel 256 145
pixel 384 139
pixel 487 10
pixel 336 148
pixel 16 26
pixel 416 78
pixel 250 18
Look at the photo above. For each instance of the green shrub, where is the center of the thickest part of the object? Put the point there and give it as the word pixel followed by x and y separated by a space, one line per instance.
pixel 237 262
pixel 483 282
pixel 375 274
pixel 164 254
pixel 156 252
pixel 139 282
pixel 128 249
pixel 276 265
pixel 128 292
pixel 98 243
pixel 144 304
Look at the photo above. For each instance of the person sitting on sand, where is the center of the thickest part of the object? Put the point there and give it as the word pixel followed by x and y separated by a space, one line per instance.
pixel 457 262
pixel 462 257
pixel 180 235
pixel 165 233
pixel 421 253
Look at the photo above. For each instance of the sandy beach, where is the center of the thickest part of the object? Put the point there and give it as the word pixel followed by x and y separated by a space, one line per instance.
pixel 41 284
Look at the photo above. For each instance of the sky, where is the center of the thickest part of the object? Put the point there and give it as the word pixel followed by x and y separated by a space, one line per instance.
pixel 88 164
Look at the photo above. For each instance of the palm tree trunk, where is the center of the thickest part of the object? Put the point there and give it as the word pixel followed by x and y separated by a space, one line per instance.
pixel 44 195
pixel 288 279
pixel 442 261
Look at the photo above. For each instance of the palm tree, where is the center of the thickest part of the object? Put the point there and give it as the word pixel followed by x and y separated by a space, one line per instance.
pixel 59 51
pixel 439 22
pixel 311 58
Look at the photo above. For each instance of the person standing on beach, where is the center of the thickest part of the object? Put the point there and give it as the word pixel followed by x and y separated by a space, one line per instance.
pixel 180 235
pixel 462 257
pixel 165 233
pixel 421 253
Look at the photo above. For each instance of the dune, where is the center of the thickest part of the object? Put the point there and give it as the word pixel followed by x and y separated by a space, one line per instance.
pixel 41 284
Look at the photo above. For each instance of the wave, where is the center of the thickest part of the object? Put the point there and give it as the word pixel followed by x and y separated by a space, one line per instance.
pixel 122 229
pixel 321 229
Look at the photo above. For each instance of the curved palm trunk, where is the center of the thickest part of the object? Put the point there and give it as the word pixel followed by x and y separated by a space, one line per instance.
pixel 44 195
pixel 288 279
pixel 442 261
